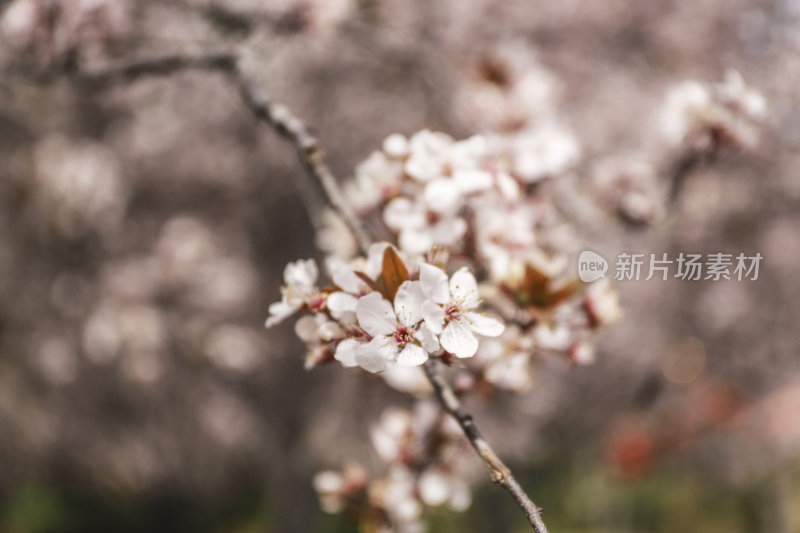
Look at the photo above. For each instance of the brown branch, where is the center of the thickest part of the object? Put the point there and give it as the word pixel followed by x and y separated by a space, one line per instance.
pixel 498 471
pixel 311 155
pixel 158 67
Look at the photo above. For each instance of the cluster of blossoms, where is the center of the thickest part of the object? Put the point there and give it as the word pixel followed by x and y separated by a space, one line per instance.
pixel 428 464
pixel 507 89
pixel 480 209
pixel 383 311
pixel 473 223
pixel 459 212
pixel 473 196
pixel 707 116
pixel 447 202
pixel 472 229
pixel 698 119
pixel 58 27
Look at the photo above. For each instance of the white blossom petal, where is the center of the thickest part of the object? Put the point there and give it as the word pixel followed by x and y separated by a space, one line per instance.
pixel 423 167
pixel 412 355
pixel 306 328
pixel 375 315
pixel 484 325
pixel 329 330
pixel 472 180
pixel 442 196
pixel 448 231
pixel 433 282
pixel 395 146
pixel 302 273
pixel 343 275
pixel 508 187
pixel 433 488
pixel 460 496
pixel 346 352
pixel 552 337
pixel 464 288
pixel 376 355
pixel 340 302
pixel 279 311
pixel 327 481
pixel 402 213
pixel 427 338
pixel 433 315
pixel 408 303
pixel 415 241
pixel 458 339
pixel 409 379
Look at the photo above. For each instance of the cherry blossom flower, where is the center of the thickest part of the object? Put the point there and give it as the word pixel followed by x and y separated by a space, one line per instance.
pixel 582 353
pixel 418 231
pixel 443 486
pixel 410 379
pixel 317 327
pixel 509 89
pixel 335 488
pixel 396 334
pixel 376 180
pixel 505 361
pixel 685 107
pixel 602 303
pixel 300 278
pixel 543 151
pixel 449 310
pixel 428 155
pixel 342 304
pixel 552 337
pixel 706 115
pixel 396 494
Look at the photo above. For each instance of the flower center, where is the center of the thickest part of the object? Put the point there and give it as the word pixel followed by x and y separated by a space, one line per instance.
pixel 453 312
pixel 403 335
pixel 317 304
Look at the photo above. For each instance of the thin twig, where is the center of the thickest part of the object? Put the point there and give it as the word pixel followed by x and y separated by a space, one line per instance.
pixel 158 67
pixel 498 471
pixel 311 155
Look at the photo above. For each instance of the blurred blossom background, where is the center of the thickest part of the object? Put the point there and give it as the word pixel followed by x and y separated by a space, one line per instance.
pixel 144 228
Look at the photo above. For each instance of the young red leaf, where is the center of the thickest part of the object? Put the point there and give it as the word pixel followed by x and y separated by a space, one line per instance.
pixel 393 274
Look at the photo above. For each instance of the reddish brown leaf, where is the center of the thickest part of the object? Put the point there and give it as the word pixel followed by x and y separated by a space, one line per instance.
pixel 393 274
pixel 538 291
